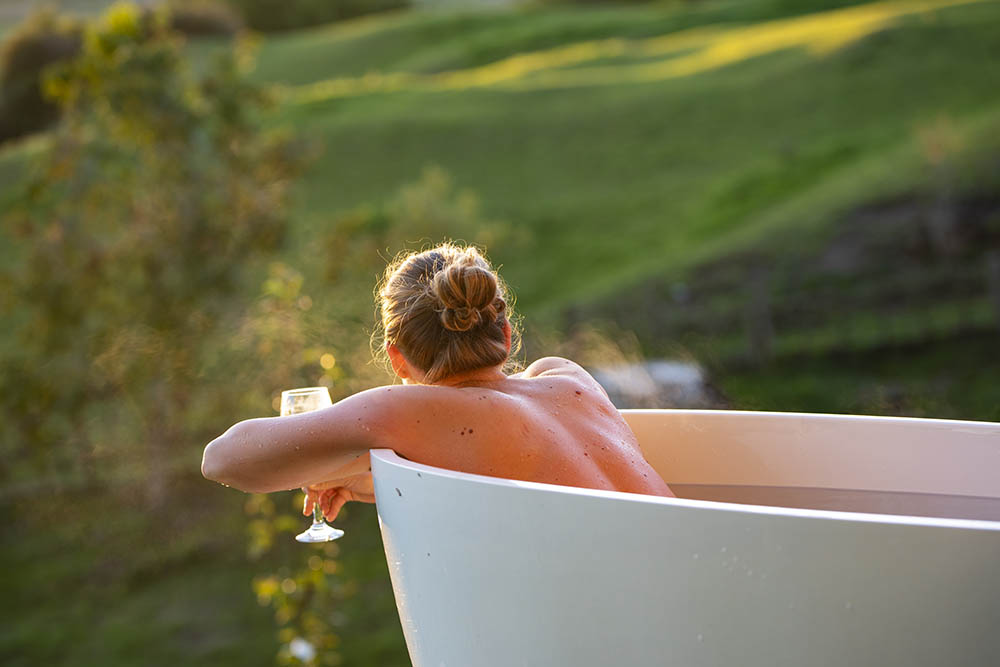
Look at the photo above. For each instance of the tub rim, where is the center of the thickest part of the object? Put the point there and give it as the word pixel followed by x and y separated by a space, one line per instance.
pixel 389 457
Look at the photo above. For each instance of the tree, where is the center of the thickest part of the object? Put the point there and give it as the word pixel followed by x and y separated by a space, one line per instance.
pixel 151 211
pixel 43 39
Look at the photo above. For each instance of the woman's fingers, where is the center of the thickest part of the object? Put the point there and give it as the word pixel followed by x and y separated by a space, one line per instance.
pixel 324 499
pixel 310 500
pixel 333 499
pixel 339 500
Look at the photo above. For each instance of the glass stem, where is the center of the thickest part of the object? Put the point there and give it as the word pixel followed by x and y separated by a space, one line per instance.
pixel 317 514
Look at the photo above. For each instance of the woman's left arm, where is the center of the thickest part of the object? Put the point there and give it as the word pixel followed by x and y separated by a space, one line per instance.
pixel 278 453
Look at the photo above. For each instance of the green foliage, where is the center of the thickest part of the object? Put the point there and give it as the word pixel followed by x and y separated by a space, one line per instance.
pixel 142 222
pixel 587 2
pixel 277 15
pixel 43 39
pixel 304 593
pixel 47 38
pixel 949 379
pixel 199 18
pixel 419 214
pixel 156 204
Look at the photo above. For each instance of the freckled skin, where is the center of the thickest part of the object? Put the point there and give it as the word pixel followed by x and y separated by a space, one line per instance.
pixel 524 429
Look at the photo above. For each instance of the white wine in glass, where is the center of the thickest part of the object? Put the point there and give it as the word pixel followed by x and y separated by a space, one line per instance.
pixel 294 402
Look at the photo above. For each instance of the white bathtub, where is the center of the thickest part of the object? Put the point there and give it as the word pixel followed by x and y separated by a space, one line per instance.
pixel 489 571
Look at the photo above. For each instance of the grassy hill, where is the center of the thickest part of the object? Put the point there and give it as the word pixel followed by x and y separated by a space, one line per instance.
pixel 620 163
pixel 638 141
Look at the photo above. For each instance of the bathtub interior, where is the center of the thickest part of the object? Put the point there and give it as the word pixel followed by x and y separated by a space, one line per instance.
pixel 883 465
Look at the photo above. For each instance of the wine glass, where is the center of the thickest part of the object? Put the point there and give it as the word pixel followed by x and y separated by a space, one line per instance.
pixel 297 401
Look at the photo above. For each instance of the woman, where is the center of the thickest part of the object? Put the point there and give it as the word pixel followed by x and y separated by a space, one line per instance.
pixel 447 334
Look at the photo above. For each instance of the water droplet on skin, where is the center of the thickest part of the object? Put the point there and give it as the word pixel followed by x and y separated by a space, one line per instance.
pixel 701 637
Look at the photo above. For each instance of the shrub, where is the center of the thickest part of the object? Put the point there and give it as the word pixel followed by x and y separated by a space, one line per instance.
pixel 201 18
pixel 277 15
pixel 43 39
pixel 133 237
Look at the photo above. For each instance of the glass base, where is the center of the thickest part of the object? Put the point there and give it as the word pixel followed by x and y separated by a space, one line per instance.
pixel 319 532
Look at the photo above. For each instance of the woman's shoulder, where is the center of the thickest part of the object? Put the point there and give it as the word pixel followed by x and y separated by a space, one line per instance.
pixel 548 367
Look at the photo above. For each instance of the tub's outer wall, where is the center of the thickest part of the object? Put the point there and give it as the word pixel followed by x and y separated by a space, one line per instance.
pixel 493 572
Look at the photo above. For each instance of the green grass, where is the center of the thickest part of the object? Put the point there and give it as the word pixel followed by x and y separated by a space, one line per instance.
pixel 439 41
pixel 620 182
pixel 97 579
pixel 942 380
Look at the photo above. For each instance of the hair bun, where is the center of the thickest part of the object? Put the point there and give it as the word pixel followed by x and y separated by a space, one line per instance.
pixel 468 296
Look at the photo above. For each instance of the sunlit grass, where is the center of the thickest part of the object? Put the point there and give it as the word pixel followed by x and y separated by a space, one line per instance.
pixel 624 181
pixel 702 48
pixel 632 178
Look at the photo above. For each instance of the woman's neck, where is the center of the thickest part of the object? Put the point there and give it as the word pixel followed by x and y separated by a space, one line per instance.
pixel 479 376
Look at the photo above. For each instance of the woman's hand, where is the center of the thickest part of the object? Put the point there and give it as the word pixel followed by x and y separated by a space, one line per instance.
pixel 332 495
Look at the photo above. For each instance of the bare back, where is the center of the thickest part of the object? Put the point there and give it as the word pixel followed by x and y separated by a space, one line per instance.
pixel 552 423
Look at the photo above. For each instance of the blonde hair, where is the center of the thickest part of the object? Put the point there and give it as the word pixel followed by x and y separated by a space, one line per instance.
pixel 445 310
